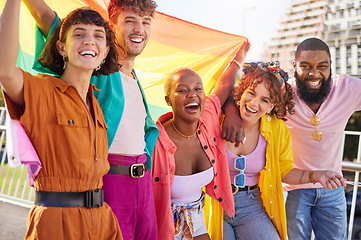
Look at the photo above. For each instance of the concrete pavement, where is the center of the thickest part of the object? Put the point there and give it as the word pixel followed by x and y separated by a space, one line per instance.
pixel 13 220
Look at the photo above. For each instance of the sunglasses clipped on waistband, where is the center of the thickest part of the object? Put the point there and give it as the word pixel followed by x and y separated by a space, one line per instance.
pixel 240 164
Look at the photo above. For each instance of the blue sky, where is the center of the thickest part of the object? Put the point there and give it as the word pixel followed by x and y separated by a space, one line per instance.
pixel 257 19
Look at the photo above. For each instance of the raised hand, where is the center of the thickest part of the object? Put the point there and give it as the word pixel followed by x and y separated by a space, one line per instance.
pixel 225 83
pixel 242 52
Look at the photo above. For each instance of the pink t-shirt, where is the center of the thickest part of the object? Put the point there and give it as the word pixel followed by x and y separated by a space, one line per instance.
pixel 308 154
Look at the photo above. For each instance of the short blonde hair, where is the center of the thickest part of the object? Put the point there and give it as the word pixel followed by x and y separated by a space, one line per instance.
pixel 169 79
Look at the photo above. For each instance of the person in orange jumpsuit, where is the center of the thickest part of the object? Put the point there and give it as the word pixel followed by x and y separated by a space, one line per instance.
pixel 64 123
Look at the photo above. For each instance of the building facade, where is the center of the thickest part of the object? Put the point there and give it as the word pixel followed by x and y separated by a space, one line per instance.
pixel 337 22
pixel 343 35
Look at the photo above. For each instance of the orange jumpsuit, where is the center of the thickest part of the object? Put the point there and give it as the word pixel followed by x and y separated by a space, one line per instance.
pixel 72 147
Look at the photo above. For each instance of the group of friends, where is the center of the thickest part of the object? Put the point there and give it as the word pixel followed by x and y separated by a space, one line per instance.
pixel 110 172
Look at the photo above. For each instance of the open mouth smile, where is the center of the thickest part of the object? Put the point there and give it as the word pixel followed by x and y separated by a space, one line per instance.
pixel 136 39
pixel 192 107
pixel 89 53
pixel 315 83
pixel 250 109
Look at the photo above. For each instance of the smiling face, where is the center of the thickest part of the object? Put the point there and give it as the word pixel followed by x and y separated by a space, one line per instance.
pixel 313 67
pixel 313 72
pixel 132 31
pixel 254 103
pixel 186 95
pixel 85 46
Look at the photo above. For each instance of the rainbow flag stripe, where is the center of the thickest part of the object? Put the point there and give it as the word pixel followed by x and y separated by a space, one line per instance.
pixel 173 43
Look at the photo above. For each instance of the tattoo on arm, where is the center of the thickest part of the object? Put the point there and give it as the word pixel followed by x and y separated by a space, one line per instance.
pixel 303 172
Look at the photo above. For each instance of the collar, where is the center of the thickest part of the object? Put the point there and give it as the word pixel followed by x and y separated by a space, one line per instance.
pixel 163 137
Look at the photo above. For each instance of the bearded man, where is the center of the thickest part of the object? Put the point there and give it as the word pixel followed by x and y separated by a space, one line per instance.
pixel 323 105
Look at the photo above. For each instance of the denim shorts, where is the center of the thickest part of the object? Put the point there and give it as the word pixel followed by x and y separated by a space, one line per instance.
pixel 196 212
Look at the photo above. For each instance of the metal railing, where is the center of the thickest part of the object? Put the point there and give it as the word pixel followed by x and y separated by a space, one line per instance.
pixel 15 188
pixel 356 168
pixel 353 167
pixel 14 184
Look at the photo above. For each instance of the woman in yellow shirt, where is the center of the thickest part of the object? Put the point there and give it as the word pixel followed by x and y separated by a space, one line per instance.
pixel 259 165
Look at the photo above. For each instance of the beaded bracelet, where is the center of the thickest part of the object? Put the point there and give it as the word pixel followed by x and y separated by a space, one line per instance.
pixel 310 177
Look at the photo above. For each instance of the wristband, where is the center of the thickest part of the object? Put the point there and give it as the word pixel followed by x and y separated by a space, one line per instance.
pixel 237 63
pixel 310 177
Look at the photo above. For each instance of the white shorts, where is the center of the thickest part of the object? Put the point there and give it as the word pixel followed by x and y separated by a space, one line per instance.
pixel 196 212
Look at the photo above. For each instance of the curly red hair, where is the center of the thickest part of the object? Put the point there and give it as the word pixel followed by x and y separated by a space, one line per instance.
pixel 283 102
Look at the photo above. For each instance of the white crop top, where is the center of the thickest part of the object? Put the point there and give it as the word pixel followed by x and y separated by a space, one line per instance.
pixel 187 189
pixel 129 138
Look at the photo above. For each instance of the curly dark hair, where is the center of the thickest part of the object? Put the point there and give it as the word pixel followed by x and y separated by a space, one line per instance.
pixel 283 102
pixel 141 7
pixel 53 60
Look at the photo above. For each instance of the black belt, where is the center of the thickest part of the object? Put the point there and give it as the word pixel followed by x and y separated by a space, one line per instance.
pixel 88 199
pixel 236 189
pixel 135 171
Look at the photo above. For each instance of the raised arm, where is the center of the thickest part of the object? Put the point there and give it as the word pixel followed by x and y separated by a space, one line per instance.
pixel 42 13
pixel 225 84
pixel 11 77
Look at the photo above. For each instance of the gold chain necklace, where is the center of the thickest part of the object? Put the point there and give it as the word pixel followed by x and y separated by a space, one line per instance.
pixel 188 137
pixel 81 90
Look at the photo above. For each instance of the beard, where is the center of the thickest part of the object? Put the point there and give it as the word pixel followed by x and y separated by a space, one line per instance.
pixel 313 96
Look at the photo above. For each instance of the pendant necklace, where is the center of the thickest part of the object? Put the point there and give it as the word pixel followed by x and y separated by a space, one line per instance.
pixel 185 136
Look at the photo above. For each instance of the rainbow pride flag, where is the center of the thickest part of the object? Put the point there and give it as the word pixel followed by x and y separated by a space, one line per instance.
pixel 173 43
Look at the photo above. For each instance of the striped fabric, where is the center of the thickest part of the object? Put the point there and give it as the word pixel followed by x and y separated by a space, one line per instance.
pixel 173 43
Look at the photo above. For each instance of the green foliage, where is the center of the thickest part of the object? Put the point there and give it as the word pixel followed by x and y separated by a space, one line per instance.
pixel 351 141
pixel 1 97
